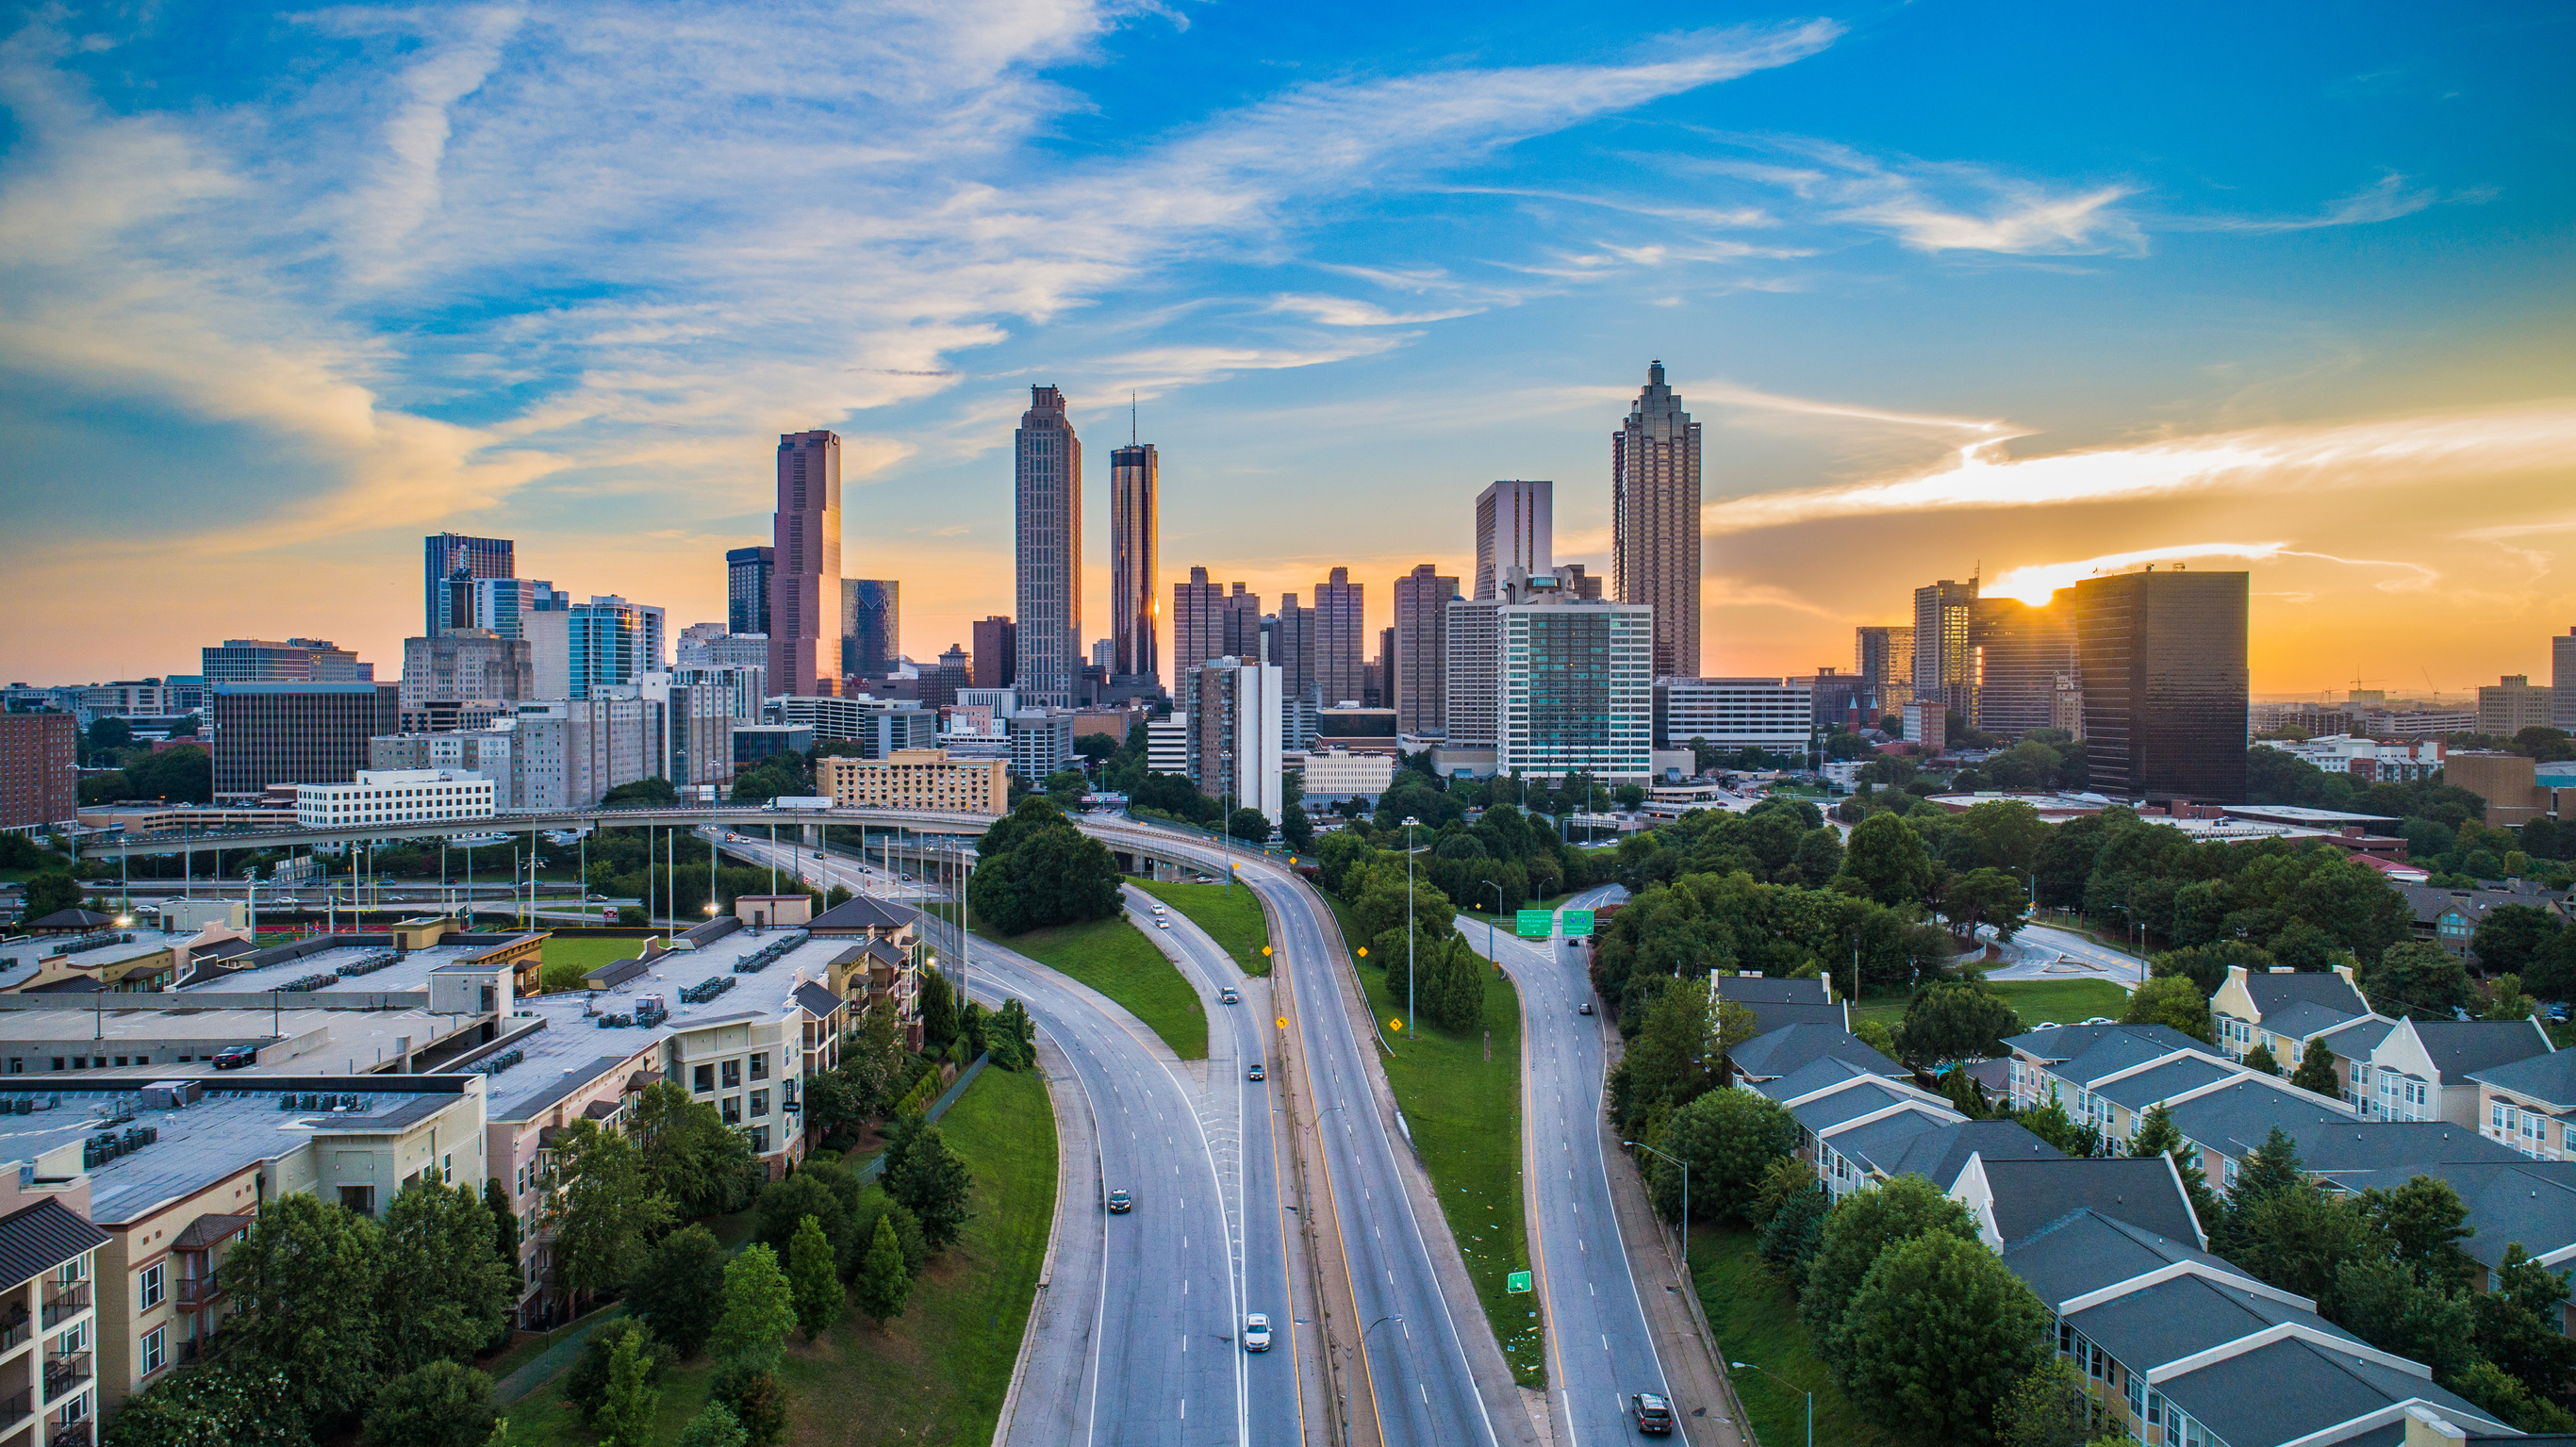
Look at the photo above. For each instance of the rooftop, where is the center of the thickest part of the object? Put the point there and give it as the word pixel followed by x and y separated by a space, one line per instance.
pixel 2550 1077
pixel 2144 1191
pixel 1791 1047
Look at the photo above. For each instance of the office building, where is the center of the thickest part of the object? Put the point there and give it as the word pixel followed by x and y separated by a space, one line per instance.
pixel 1341 639
pixel 2024 652
pixel 499 605
pixel 482 752
pixel 748 580
pixel 1382 673
pixel 1135 558
pixel 1576 685
pixel 1041 743
pixel 2162 656
pixel 1103 652
pixel 1655 521
pixel 1771 714
pixel 1927 724
pixel 689 729
pixel 742 688
pixel 606 641
pixel 871 641
pixel 39 754
pixel 1167 745
pixel 1836 699
pixel 1210 622
pixel 465 665
pixel 940 682
pixel 916 779
pixel 708 645
pixel 1472 706
pixel 995 661
pixel 449 556
pixel 2562 681
pixel 1578 583
pixel 1359 729
pixel 1291 634
pixel 296 733
pixel 1883 656
pixel 2511 704
pixel 1945 647
pixel 1421 649
pixel 755 742
pixel 1515 528
pixel 1046 502
pixel 1332 775
pixel 879 726
pixel 394 796
pixel 297 660
pixel 1234 737
pixel 805 580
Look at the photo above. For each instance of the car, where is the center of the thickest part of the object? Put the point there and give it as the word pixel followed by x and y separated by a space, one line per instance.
pixel 1256 1333
pixel 1229 996
pixel 1162 924
pixel 2101 1020
pixel 1654 1415
pixel 1158 910
pixel 1583 1009
pixel 1256 1072
pixel 1120 1204
pixel 234 1057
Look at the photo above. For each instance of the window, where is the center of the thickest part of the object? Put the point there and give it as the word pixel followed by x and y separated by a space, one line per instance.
pixel 362 1199
pixel 760 1066
pixel 732 1074
pixel 759 1104
pixel 733 1110
pixel 2497 1116
pixel 153 1353
pixel 2231 1174
pixel 760 1140
pixel 152 1285
pixel 703 1079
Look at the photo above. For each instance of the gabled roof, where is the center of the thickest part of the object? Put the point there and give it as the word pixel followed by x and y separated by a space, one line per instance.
pixel 857 913
pixel 817 1000
pixel 36 1239
pixel 1818 1074
pixel 2337 1148
pixel 1770 1015
pixel 1871 1094
pixel 2429 901
pixel 2461 1046
pixel 2533 1202
pixel 2086 1251
pixel 2356 1040
pixel 2173 1319
pixel 2234 1119
pixel 71 919
pixel 210 1229
pixel 1774 990
pixel 2123 1047
pixel 2141 1190
pixel 2286 1390
pixel 1768 1057
pixel 2300 1019
pixel 2164 1082
pixel 2550 1077
pixel 2068 1042
pixel 1939 1154
pixel 2272 991
pixel 1879 1144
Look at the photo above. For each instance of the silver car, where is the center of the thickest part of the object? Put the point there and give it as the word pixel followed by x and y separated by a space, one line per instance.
pixel 1256 1333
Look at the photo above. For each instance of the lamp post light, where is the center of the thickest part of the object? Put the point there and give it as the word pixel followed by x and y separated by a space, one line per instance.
pixel 1496 886
pixel 1410 1024
pixel 1792 1386
pixel 1685 1165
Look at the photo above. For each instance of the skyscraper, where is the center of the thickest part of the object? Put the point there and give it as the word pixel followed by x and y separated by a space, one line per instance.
pixel 1883 654
pixel 1135 555
pixel 871 635
pixel 747 573
pixel 450 555
pixel 997 653
pixel 1422 646
pixel 1047 505
pixel 502 605
pixel 1515 526
pixel 1945 647
pixel 1341 639
pixel 1210 622
pixel 2562 681
pixel 1654 521
pixel 805 588
pixel 1573 689
pixel 2163 658
pixel 609 641
pixel 2022 652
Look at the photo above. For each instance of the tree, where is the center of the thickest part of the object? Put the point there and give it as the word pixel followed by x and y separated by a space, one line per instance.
pixel 1954 1021
pixel 2206 965
pixel 2296 1237
pixel 2317 1071
pixel 1938 1334
pixel 929 1180
pixel 2388 1306
pixel 231 1403
pixel 1795 1230
pixel 2048 1408
pixel 109 734
pixel 1249 825
pixel 441 1404
pixel 938 1005
pixel 690 1156
pixel 605 1209
pixel 50 891
pixel 714 1427
pixel 2267 1170
pixel 626 1407
pixel 2506 1001
pixel 680 1291
pixel 2511 937
pixel 2419 981
pixel 586 1381
pixel 2157 1135
pixel 1036 869
pixel 505 1236
pixel 2421 1224
pixel 2518 1324
pixel 2049 1121
pixel 1886 861
pixel 184 775
pixel 1981 897
pixel 813 1281
pixel 304 1287
pixel 753 1396
pixel 1863 1225
pixel 1730 1138
pixel 2175 1001
pixel 652 790
pixel 759 1310
pixel 885 1281
pixel 445 1291
pixel 785 1205
pixel 2260 1058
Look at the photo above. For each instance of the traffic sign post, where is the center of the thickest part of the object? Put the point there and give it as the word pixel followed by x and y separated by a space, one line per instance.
pixel 1534 924
pixel 1518 1281
pixel 1578 922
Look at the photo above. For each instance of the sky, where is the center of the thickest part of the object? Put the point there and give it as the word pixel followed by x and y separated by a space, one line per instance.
pixel 2020 291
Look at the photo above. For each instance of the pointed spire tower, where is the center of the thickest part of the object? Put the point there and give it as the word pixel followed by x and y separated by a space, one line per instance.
pixel 1655 522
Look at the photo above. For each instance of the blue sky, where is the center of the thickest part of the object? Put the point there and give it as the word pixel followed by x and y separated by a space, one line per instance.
pixel 1952 286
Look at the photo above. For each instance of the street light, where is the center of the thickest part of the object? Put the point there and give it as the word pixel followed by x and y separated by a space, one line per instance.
pixel 1792 1386
pixel 1497 887
pixel 1685 1165
pixel 1410 1024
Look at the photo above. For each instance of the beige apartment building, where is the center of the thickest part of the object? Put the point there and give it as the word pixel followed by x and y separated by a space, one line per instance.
pixel 917 779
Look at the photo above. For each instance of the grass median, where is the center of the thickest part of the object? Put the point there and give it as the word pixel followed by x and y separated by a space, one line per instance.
pixel 1463 1106
pixel 1755 1317
pixel 1233 920
pixel 1114 957
pixel 937 1374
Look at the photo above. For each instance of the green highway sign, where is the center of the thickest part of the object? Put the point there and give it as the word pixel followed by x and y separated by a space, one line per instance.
pixel 1578 922
pixel 1517 1281
pixel 1535 924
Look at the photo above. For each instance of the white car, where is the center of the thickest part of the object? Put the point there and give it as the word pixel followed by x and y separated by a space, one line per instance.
pixel 1256 1333
pixel 1162 924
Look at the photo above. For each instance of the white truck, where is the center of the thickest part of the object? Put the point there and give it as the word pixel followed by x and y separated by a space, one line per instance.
pixel 801 802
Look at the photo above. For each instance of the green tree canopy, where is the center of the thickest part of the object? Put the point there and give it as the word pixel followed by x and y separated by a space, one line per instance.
pixel 606 1209
pixel 1939 1333
pixel 1035 869
pixel 445 1291
pixel 440 1404
pixel 690 1156
pixel 305 1286
pixel 759 1310
pixel 2317 1070
pixel 235 1402
pixel 1886 862
pixel 1954 1020
pixel 679 1293
pixel 885 1278
pixel 928 1179
pixel 814 1280
pixel 2173 1000
pixel 1863 1225
pixel 2418 981
pixel 1730 1138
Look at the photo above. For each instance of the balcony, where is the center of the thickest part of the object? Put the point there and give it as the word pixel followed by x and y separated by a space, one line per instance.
pixel 64 1303
pixel 75 1435
pixel 17 1409
pixel 65 1372
pixel 195 1291
pixel 15 1331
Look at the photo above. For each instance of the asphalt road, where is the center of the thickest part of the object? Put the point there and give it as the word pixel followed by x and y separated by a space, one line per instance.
pixel 1599 1347
pixel 2044 952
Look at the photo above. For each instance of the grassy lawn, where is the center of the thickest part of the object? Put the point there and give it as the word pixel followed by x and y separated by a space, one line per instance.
pixel 1113 957
pixel 567 960
pixel 1465 1114
pixel 936 1374
pixel 1234 921
pixel 2064 1001
pixel 1755 1316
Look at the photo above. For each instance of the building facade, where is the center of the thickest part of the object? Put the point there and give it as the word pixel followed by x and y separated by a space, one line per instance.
pixel 748 574
pixel 1772 714
pixel 1422 649
pixel 1135 557
pixel 297 660
pixel 2562 681
pixel 917 779
pixel 1515 528
pixel 879 726
pixel 1655 521
pixel 1210 622
pixel 1341 639
pixel 607 641
pixel 805 579
pixel 2163 661
pixel 502 605
pixel 394 796
pixel 466 664
pixel 871 626
pixel 297 733
pixel 450 556
pixel 997 653
pixel 1046 491
pixel 2023 651
pixel 1576 685
pixel 2511 704
pixel 1472 673
pixel 484 753
pixel 1234 737
pixel 1945 647
pixel 39 756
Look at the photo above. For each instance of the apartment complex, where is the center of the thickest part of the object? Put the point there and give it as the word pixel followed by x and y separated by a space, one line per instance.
pixel 917 779
pixel 1574 685
pixel 1773 714
pixel 1515 528
pixel 1418 683
pixel 1234 733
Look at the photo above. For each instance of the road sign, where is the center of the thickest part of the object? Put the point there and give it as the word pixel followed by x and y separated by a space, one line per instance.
pixel 1535 924
pixel 1578 922
pixel 1394 1024
pixel 1517 1281
pixel 1283 1022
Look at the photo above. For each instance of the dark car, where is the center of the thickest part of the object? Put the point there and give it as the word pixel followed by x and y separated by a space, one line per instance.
pixel 1256 1072
pixel 1654 1414
pixel 234 1057
pixel 1119 1204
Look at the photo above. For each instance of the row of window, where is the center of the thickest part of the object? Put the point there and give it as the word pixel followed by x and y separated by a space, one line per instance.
pixel 728 1073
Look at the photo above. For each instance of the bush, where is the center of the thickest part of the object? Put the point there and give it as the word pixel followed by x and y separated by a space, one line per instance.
pixel 586 1382
pixel 437 1405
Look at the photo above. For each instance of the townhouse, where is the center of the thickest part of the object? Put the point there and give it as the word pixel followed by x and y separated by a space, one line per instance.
pixel 2281 1009
pixel 2509 1203
pixel 1778 1002
pixel 2450 917
pixel 2530 1104
pixel 1789 1048
pixel 2422 1069
pixel 2225 1125
pixel 2015 1198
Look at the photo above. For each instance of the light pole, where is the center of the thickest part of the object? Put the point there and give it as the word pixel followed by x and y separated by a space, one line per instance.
pixel 1410 1025
pixel 1685 1165
pixel 1497 887
pixel 1792 1386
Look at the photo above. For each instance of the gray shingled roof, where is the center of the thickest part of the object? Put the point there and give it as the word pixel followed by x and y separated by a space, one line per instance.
pixel 2143 1191
pixel 2550 1077
pixel 859 912
pixel 1791 1046
pixel 1774 990
pixel 2288 1389
pixel 2086 1251
pixel 1876 1145
pixel 2070 1042
pixel 1826 1112
pixel 2356 1040
pixel 2271 992
pixel 817 1000
pixel 2300 1019
pixel 2234 1119
pixel 2164 1082
pixel 2337 1148
pixel 2461 1046
pixel 1942 1152
pixel 2175 1318
pixel 2118 1051
pixel 2533 1202
pixel 1770 1015
pixel 1816 1075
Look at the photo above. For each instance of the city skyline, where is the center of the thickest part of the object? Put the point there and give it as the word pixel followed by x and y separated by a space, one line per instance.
pixel 1920 340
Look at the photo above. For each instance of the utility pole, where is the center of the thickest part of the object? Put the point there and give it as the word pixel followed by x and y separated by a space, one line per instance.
pixel 1410 1023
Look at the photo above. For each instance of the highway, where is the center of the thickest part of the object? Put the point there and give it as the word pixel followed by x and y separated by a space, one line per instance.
pixel 2044 952
pixel 1599 1347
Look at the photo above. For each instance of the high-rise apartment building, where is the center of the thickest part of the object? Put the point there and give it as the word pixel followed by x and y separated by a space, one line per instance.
pixel 39 756
pixel 1515 528
pixel 1046 494
pixel 2162 656
pixel 1574 685
pixel 466 664
pixel 297 733
pixel 297 660
pixel 1471 673
pixel 1235 730
pixel 1341 639
pixel 501 605
pixel 1381 688
pixel 1654 521
pixel 871 626
pixel 1945 647
pixel 1421 649
pixel 607 641
pixel 1290 637
pixel 1883 655
pixel 748 572
pixel 2024 651
pixel 1135 556
pixel 2511 704
pixel 996 659
pixel 805 584
pixel 1208 622
pixel 449 556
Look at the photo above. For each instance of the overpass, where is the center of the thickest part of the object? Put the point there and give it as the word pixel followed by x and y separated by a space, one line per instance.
pixel 742 817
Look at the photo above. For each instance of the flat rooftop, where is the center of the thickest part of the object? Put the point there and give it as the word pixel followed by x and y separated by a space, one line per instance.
pixel 410 972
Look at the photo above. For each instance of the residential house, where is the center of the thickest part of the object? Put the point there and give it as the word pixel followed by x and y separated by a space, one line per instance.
pixel 1785 1050
pixel 2449 917
pixel 2421 1069
pixel 2226 1124
pixel 1849 1116
pixel 2014 1199
pixel 2530 1104
pixel 2527 1203
pixel 2108 1076
pixel 1778 1002
pixel 2281 1009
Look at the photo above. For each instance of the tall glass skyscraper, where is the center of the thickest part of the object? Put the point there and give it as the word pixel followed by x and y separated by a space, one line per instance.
pixel 2165 684
pixel 805 588
pixel 747 584
pixel 1046 496
pixel 1654 521
pixel 1945 647
pixel 449 556
pixel 1135 545
pixel 609 641
pixel 871 626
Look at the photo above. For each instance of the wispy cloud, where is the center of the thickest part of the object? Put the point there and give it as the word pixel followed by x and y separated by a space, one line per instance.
pixel 2036 582
pixel 1335 311
pixel 2386 200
